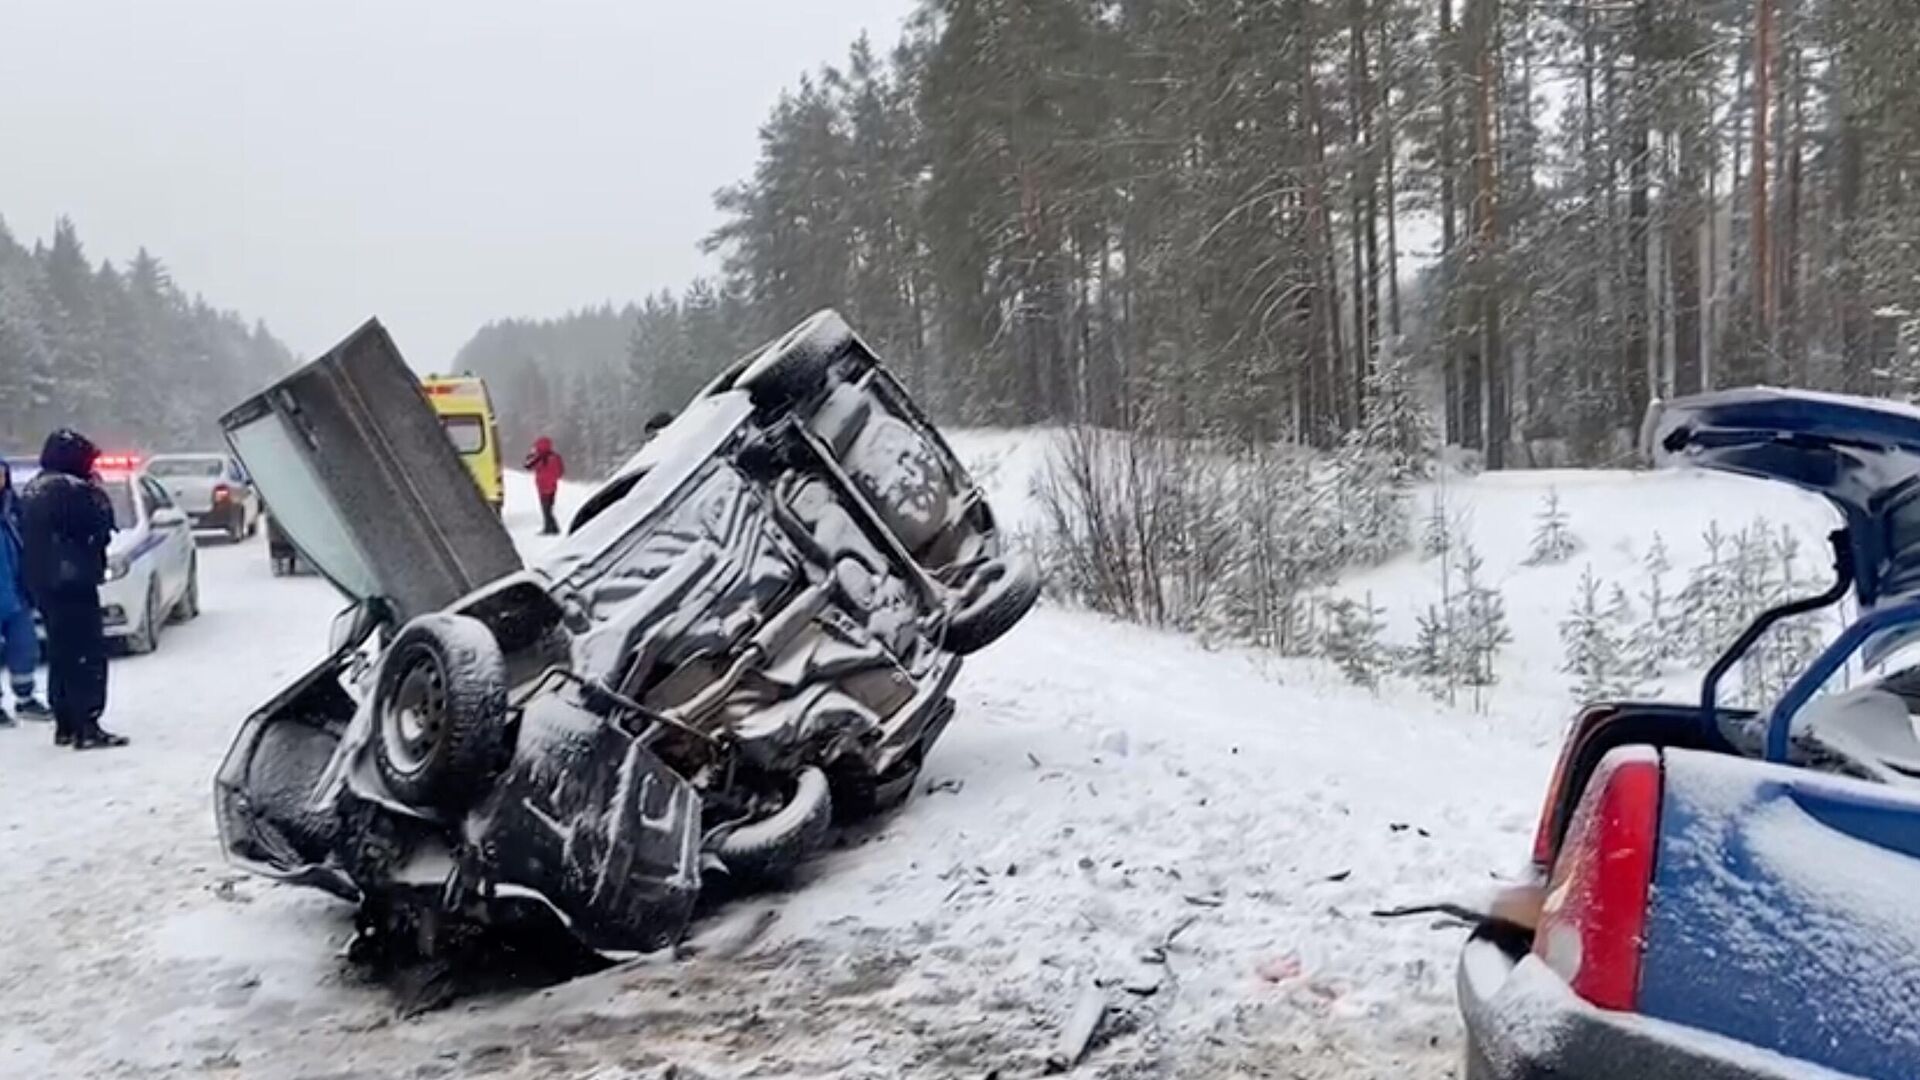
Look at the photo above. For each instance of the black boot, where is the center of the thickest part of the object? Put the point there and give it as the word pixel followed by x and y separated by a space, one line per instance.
pixel 62 735
pixel 94 737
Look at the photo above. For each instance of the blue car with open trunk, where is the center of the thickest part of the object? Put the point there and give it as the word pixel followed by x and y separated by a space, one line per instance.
pixel 1726 893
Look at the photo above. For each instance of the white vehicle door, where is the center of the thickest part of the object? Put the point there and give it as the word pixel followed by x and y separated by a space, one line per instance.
pixel 172 533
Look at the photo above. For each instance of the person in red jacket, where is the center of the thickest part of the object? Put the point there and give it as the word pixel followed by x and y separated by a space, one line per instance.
pixel 548 467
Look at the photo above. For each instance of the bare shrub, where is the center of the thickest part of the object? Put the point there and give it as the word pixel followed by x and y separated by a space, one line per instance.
pixel 1203 534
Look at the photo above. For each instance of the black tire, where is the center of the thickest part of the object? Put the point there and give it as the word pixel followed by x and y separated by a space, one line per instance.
pixel 188 609
pixel 147 639
pixel 768 851
pixel 287 761
pixel 440 711
pixel 282 566
pixel 997 595
pixel 796 367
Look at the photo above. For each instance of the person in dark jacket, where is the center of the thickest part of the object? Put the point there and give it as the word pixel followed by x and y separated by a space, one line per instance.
pixel 548 467
pixel 17 638
pixel 66 521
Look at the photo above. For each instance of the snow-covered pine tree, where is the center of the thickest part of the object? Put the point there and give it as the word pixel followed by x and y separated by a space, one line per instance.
pixel 1590 647
pixel 1351 639
pixel 119 354
pixel 1480 624
pixel 1620 624
pixel 1436 534
pixel 1459 639
pixel 1620 609
pixel 1553 542
pixel 1370 504
pixel 1397 425
pixel 1710 611
pixel 1654 639
pixel 1430 660
pixel 1786 649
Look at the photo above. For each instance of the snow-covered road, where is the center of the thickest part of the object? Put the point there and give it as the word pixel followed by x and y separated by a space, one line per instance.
pixel 1201 832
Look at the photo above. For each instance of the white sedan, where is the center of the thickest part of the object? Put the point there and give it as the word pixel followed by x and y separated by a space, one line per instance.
pixel 153 574
pixel 213 489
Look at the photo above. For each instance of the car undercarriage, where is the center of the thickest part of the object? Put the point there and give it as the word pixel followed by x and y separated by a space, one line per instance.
pixel 749 632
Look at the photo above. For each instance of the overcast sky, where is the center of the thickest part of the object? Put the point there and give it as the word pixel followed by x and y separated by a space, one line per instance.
pixel 435 164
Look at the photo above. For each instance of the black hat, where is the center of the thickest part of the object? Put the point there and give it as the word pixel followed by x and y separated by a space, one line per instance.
pixel 68 451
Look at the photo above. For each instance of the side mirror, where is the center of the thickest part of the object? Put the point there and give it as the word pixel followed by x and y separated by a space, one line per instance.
pixel 352 627
pixel 169 518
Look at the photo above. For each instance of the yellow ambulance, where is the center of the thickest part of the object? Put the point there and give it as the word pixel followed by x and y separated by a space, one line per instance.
pixel 466 412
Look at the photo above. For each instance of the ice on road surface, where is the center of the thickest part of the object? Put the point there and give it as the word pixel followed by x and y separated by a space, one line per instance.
pixel 1201 834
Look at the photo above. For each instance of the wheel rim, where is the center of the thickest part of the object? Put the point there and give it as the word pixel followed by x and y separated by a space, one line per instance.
pixel 978 586
pixel 416 717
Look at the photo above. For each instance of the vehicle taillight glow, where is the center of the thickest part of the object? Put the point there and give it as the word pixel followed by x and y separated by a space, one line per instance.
pixel 1593 928
pixel 222 493
pixel 117 462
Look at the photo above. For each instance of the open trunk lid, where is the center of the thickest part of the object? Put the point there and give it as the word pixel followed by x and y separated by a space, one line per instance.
pixel 1862 455
pixel 354 465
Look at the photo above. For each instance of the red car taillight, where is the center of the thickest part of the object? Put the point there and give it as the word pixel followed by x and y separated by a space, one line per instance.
pixel 1593 928
pixel 222 493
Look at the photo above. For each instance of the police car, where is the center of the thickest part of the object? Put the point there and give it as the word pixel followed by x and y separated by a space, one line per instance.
pixel 153 573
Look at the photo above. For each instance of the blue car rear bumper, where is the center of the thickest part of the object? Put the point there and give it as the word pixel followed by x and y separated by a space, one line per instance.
pixel 1524 1024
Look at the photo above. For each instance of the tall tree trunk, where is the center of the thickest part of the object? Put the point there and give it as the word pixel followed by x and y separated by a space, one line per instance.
pixel 1390 196
pixel 1487 253
pixel 1462 411
pixel 1684 238
pixel 1759 250
pixel 1320 231
pixel 1789 331
pixel 1360 180
pixel 1854 313
pixel 1635 304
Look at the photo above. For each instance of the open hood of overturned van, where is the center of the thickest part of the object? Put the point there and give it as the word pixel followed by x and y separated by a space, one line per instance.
pixel 355 467
pixel 1861 454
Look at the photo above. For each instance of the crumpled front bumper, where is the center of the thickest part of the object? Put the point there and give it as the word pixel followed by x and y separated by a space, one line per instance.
pixel 589 820
pixel 584 821
pixel 1523 1023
